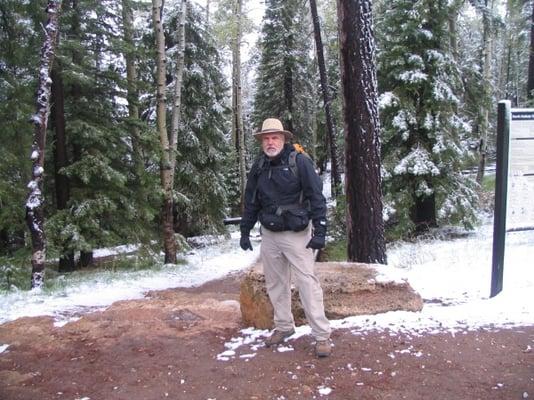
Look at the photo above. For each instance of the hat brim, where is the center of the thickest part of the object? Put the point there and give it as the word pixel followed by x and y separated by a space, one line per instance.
pixel 287 134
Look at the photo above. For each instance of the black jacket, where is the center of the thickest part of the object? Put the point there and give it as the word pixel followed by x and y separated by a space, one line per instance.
pixel 274 184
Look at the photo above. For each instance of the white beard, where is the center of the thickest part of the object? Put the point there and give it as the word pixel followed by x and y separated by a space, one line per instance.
pixel 272 152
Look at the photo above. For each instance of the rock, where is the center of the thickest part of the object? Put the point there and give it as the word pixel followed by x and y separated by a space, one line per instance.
pixel 349 289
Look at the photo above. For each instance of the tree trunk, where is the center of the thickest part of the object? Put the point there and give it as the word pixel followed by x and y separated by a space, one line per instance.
pixel 530 82
pixel 207 14
pixel 169 242
pixel 486 74
pixel 423 213
pixel 62 184
pixel 331 133
pixel 288 98
pixel 365 225
pixel 34 202
pixel 237 106
pixel 86 259
pixel 453 19
pixel 132 95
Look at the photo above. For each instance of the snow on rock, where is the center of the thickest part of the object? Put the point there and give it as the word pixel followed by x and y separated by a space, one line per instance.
pixel 3 347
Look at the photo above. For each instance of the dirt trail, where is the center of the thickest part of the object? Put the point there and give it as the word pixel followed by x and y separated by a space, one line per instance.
pixel 166 346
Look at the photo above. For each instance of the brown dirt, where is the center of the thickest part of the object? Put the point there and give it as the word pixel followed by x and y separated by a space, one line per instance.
pixel 166 346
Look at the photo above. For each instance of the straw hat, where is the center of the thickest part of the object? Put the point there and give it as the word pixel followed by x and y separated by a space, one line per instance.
pixel 273 125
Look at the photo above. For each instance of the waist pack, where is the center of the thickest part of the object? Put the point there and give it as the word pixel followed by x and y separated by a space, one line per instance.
pixel 291 219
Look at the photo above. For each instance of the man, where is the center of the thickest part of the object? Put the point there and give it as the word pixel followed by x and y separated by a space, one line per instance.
pixel 284 192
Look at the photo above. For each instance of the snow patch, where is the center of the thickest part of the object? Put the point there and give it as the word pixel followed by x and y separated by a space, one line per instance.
pixel 324 390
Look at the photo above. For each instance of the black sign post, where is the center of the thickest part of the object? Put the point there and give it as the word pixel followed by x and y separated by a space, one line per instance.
pixel 501 184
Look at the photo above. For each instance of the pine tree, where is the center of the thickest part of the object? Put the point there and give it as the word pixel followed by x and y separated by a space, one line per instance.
pixel 424 136
pixel 365 225
pixel 514 48
pixel 201 195
pixel 331 126
pixel 20 40
pixel 284 81
pixel 103 207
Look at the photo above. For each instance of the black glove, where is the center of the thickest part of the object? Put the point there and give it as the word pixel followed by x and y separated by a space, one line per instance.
pixel 316 243
pixel 245 243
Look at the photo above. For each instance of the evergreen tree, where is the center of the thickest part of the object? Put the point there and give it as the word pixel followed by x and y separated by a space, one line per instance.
pixel 514 49
pixel 20 40
pixel 201 197
pixel 424 135
pixel 101 210
pixel 284 81
pixel 365 224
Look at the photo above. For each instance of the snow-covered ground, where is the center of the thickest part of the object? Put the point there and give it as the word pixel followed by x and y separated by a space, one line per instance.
pixel 85 292
pixel 453 276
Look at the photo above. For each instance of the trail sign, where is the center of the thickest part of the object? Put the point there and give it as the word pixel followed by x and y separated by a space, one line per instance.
pixel 514 183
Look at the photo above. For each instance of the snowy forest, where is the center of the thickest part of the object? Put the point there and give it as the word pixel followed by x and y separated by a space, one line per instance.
pixel 129 122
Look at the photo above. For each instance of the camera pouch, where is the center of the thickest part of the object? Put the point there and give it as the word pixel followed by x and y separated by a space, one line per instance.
pixel 296 219
pixel 273 222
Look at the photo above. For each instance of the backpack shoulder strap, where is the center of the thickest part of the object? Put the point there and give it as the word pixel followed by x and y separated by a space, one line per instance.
pixel 256 170
pixel 292 162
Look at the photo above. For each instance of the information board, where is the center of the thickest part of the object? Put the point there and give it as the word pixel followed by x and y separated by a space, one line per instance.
pixel 514 182
pixel 520 193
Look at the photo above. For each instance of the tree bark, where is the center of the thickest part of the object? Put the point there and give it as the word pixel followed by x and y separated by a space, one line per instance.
pixel 330 122
pixel 34 202
pixel 167 217
pixel 365 225
pixel 423 213
pixel 62 184
pixel 237 106
pixel 86 259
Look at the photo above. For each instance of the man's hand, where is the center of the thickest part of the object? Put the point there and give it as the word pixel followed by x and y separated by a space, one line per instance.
pixel 316 243
pixel 245 243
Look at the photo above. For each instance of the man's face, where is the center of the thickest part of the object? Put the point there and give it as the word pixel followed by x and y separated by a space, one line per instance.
pixel 272 143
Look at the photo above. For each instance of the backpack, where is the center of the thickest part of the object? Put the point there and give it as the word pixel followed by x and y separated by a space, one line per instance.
pixel 292 160
pixel 292 164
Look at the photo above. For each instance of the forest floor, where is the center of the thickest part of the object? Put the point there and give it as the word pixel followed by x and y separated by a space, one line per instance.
pixel 171 344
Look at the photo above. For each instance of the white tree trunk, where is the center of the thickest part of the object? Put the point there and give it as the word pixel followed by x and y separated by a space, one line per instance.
pixel 34 201
pixel 169 242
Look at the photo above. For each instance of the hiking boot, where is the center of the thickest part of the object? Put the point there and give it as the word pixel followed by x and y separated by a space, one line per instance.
pixel 278 337
pixel 323 348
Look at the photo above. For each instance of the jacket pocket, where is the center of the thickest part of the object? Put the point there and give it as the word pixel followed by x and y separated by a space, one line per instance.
pixel 297 220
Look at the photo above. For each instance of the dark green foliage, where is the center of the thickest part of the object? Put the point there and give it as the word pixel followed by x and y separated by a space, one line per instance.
pixel 203 139
pixel 20 38
pixel 104 208
pixel 425 138
pixel 285 73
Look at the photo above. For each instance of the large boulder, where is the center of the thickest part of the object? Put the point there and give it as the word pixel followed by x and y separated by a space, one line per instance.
pixel 349 289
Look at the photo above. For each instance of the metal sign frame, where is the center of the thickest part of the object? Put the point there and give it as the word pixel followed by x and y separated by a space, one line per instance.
pixel 505 114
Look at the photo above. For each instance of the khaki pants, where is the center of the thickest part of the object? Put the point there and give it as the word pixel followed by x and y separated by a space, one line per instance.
pixel 285 254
